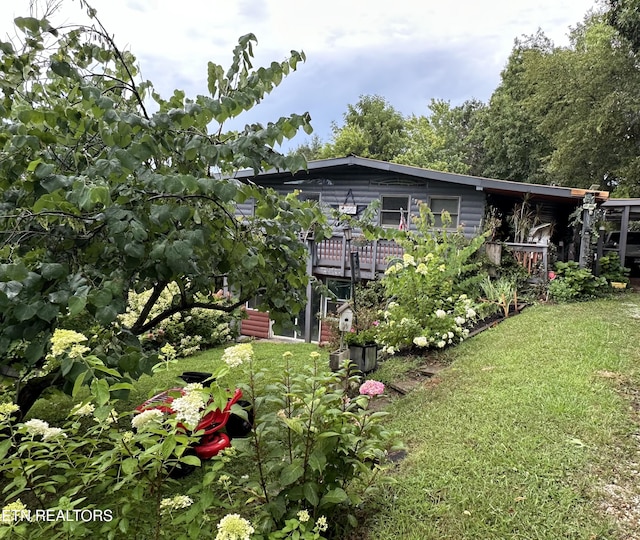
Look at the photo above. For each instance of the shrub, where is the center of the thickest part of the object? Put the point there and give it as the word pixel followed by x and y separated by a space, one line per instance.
pixel 111 478
pixel 574 283
pixel 429 287
pixel 312 457
pixel 315 449
pixel 186 332
pixel 612 270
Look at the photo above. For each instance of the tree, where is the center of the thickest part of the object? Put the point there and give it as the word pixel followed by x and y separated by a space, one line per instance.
pixel 514 148
pixel 372 128
pixel 100 197
pixel 446 139
pixel 587 101
pixel 310 150
pixel 624 16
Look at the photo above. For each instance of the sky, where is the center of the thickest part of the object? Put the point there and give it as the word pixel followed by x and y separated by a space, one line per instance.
pixel 407 51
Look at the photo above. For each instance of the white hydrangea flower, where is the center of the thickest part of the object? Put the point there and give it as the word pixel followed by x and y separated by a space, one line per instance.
pixel 7 409
pixel 459 321
pixel 85 409
pixel 471 313
pixel 175 503
pixel 53 433
pixel 188 408
pixel 15 511
pixel 238 354
pixel 145 417
pixel 420 341
pixel 234 527
pixel 408 260
pixel 36 426
pixel 441 344
pixel 321 524
pixel 441 313
pixel 422 269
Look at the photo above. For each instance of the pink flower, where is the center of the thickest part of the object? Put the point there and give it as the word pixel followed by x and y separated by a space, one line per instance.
pixel 376 323
pixel 371 388
pixel 552 275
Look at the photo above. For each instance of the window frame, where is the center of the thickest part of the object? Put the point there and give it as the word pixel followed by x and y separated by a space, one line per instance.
pixel 406 210
pixel 455 223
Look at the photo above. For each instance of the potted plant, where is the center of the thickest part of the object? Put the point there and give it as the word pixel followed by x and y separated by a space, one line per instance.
pixel 363 349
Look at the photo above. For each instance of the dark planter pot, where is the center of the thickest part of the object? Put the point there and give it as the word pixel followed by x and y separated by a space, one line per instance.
pixel 365 357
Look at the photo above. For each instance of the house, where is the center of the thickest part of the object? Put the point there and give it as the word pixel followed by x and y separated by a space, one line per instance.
pixel 351 183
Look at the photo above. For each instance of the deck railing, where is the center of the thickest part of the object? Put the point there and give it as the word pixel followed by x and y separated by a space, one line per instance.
pixel 534 258
pixel 331 257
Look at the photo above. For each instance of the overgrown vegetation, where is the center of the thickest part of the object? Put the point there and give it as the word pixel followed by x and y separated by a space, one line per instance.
pixel 440 269
pixel 314 454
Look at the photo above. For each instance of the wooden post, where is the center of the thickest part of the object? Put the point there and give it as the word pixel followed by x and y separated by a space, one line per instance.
pixel 308 315
pixel 624 228
pixel 599 250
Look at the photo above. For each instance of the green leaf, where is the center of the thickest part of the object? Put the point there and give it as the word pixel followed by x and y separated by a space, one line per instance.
pixel 294 425
pixel 35 350
pixel 27 23
pixel 100 389
pixel 53 270
pixel 106 314
pixel 76 304
pixel 291 473
pixel 11 288
pixel 117 387
pixel 24 312
pixel 129 465
pixel 77 384
pixel 190 460
pixel 62 68
pixel 134 250
pixel 168 445
pixel 333 497
pixel 4 448
pixel 310 491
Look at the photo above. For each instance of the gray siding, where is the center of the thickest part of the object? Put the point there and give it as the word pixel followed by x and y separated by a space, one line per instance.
pixel 363 187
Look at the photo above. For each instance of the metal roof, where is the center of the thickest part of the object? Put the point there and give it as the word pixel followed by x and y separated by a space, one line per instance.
pixel 506 187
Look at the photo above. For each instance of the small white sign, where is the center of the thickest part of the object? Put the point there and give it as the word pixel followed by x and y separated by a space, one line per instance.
pixel 349 209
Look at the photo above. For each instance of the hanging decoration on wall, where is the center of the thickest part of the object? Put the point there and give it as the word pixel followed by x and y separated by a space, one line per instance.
pixel 348 207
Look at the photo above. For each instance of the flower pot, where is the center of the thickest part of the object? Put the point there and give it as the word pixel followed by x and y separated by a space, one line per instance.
pixel 494 252
pixel 618 284
pixel 337 359
pixel 365 357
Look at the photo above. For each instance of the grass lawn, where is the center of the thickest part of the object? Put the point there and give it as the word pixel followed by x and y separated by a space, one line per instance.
pixel 518 438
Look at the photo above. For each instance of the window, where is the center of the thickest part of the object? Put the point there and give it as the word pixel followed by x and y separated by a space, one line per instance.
pixel 309 196
pixel 394 210
pixel 445 204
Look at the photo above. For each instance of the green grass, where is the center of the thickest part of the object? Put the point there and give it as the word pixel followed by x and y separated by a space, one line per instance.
pixel 519 433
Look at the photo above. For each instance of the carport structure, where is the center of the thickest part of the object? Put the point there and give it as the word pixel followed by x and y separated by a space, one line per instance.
pixel 621 212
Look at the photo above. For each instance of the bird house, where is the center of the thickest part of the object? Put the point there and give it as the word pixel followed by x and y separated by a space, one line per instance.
pixel 345 314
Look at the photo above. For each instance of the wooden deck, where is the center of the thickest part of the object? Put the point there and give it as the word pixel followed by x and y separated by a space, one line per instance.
pixel 331 257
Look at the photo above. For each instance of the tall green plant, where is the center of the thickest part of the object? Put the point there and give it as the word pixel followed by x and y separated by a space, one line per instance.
pixel 315 448
pixel 431 288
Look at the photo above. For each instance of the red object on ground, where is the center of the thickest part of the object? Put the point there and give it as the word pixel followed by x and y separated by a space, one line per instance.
pixel 213 440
